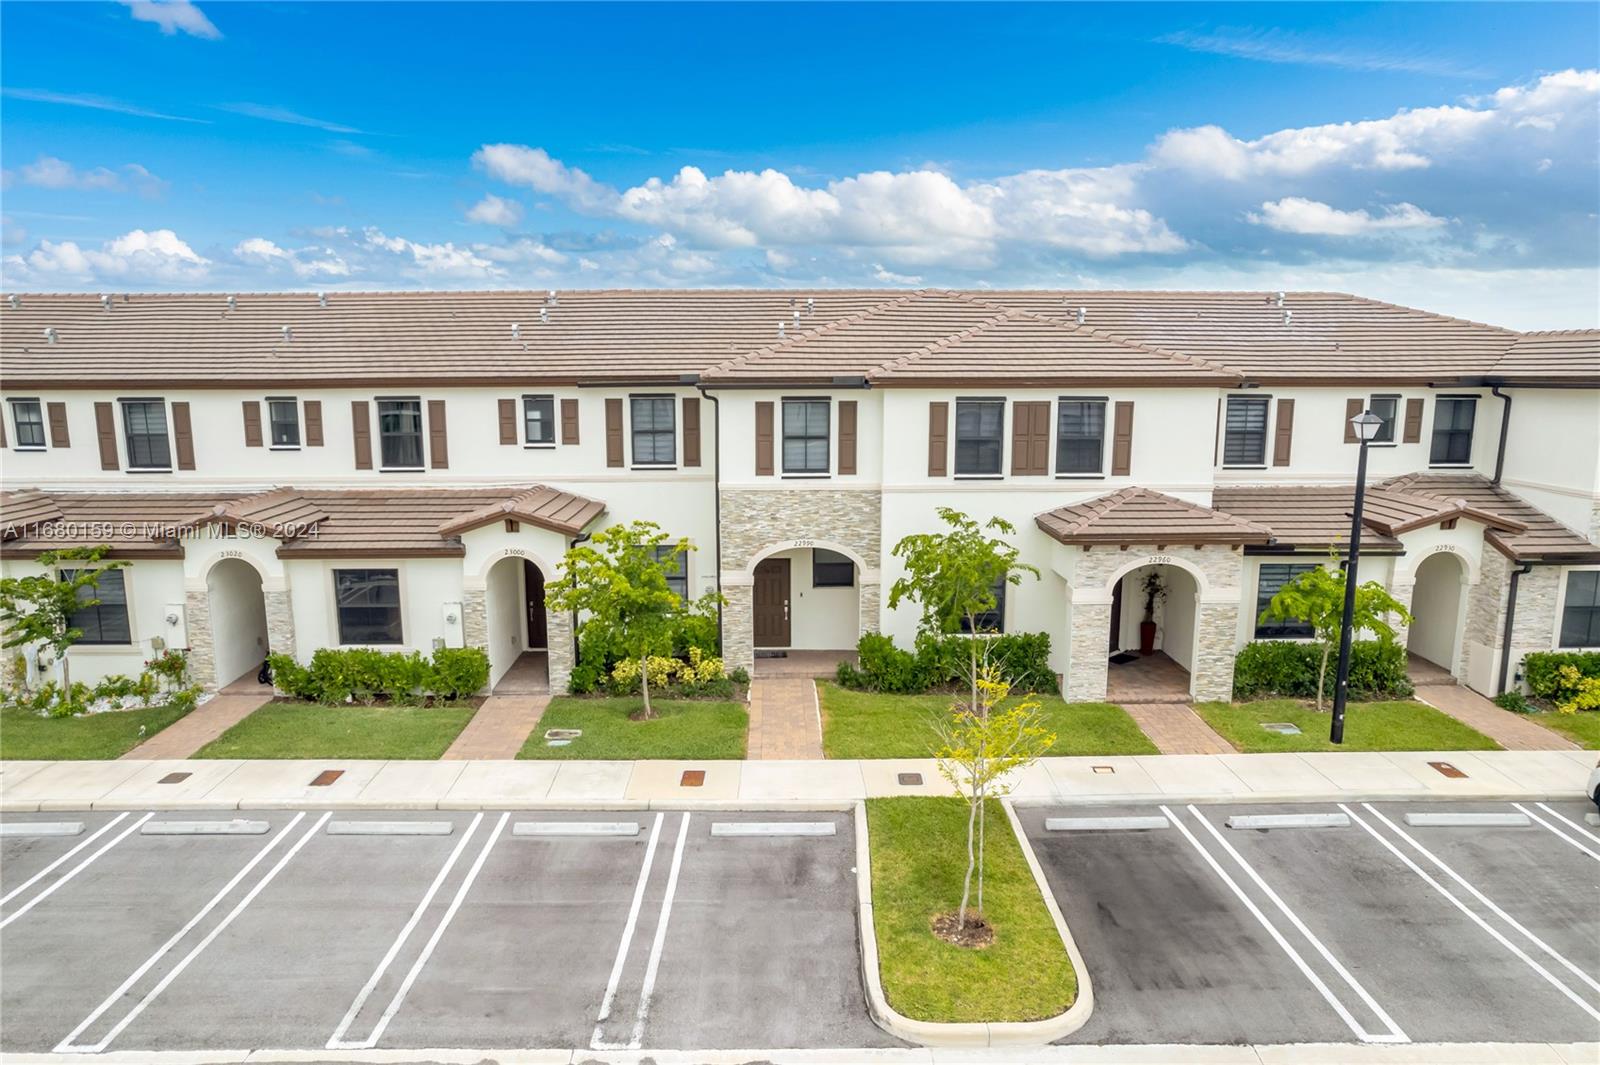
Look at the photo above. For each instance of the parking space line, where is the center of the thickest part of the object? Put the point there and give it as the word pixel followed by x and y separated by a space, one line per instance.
pixel 74 871
pixel 649 985
pixel 336 1041
pixel 597 1040
pixel 66 1045
pixel 1277 936
pixel 1559 816
pixel 1558 833
pixel 1464 908
pixel 47 870
pixel 1484 899
pixel 1300 926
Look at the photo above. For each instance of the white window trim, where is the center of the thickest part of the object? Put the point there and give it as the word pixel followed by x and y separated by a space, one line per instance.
pixel 133 643
pixel 1561 609
pixel 833 448
pixel 299 422
pixel 1267 431
pixel 333 602
pixel 44 424
pixel 677 431
pixel 1433 423
pixel 555 421
pixel 1006 415
pixel 1055 438
pixel 122 437
pixel 377 432
pixel 1399 418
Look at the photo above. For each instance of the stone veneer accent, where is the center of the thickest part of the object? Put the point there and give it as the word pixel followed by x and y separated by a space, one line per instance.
pixel 280 622
pixel 475 617
pixel 1087 665
pixel 738 627
pixel 558 638
pixel 1214 654
pixel 1405 592
pixel 1531 629
pixel 202 653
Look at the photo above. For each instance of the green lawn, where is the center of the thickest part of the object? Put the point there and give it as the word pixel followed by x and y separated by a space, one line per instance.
pixel 1386 726
pixel 873 725
pixel 687 729
pixel 27 737
pixel 918 860
pixel 306 730
pixel 1582 728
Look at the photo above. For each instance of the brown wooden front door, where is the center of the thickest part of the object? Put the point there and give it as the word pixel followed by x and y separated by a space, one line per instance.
pixel 771 602
pixel 533 583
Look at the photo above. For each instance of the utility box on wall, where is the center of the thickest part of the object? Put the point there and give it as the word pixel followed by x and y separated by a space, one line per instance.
pixel 455 633
pixel 175 627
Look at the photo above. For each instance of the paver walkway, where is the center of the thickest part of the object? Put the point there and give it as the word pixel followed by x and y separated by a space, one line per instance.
pixel 1511 731
pixel 1176 729
pixel 1152 678
pixel 785 721
pixel 201 725
pixel 499 728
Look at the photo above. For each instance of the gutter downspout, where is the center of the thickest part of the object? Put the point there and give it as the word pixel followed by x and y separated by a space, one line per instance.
pixel 1511 617
pixel 576 540
pixel 1505 429
pixel 716 487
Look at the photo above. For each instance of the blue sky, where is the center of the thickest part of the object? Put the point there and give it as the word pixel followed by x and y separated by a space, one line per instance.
pixel 1438 155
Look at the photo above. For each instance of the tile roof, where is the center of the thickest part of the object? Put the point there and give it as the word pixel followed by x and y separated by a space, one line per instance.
pixel 1301 516
pixel 133 524
pixel 1138 515
pixel 1557 356
pixel 1541 537
pixel 549 508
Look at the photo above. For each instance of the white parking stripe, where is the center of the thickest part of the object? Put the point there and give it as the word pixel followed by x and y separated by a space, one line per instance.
pixel 1559 816
pixel 1481 897
pixel 1559 834
pixel 47 870
pixel 1294 919
pixel 649 986
pixel 1464 908
pixel 161 952
pixel 335 1042
pixel 74 871
pixel 597 1041
pixel 1277 937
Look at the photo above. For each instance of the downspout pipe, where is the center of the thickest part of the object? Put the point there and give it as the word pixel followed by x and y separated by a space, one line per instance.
pixel 1505 430
pixel 576 540
pixel 716 488
pixel 1511 618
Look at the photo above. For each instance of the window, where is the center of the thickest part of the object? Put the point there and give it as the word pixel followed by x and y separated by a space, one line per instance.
pixel 1272 577
pixel 671 558
pixel 1080 436
pixel 400 433
pixel 1580 612
pixel 283 418
pixel 106 621
pixel 538 420
pixel 991 620
pixel 979 423
pixel 655 431
pixel 829 569
pixel 1385 407
pixel 368 602
pixel 1452 430
pixel 805 436
pixel 144 421
pixel 28 419
pixel 1244 441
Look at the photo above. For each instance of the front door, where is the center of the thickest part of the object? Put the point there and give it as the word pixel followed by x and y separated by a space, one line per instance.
pixel 771 602
pixel 1116 618
pixel 533 584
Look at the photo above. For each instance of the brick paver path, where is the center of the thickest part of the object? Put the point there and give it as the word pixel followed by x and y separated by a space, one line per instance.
pixel 785 721
pixel 201 725
pixel 1511 731
pixel 499 728
pixel 1176 729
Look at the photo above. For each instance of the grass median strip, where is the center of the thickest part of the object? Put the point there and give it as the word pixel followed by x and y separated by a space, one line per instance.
pixel 307 730
pixel 1401 725
pixel 687 729
pixel 25 736
pixel 1582 728
pixel 859 724
pixel 919 856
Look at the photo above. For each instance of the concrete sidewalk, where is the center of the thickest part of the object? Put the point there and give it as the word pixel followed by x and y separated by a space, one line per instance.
pixel 501 785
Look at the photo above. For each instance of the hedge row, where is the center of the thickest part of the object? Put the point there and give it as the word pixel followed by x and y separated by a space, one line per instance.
pixel 1022 658
pixel 1542 669
pixel 1288 669
pixel 364 675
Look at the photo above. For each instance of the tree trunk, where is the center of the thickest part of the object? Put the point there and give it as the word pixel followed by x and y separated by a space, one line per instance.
pixel 1322 672
pixel 983 820
pixel 644 681
pixel 972 660
pixel 966 884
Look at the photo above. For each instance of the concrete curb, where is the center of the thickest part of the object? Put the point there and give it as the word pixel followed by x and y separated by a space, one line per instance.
pixel 971 1033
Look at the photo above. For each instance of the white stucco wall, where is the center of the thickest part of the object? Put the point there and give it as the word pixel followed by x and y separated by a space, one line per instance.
pixel 1553 454
pixel 504 604
pixel 238 618
pixel 819 618
pixel 1436 609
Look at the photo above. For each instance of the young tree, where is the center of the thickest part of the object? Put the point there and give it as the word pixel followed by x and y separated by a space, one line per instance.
pixel 1316 598
pixel 953 575
pixel 37 610
pixel 978 749
pixel 616 579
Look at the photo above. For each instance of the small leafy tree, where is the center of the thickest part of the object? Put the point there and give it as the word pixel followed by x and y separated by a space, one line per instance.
pixel 616 579
pixel 36 611
pixel 978 748
pixel 1316 598
pixel 953 575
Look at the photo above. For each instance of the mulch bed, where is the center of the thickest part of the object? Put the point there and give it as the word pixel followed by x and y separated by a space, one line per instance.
pixel 975 936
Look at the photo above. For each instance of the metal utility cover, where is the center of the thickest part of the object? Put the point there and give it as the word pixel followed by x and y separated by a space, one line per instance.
pixel 1448 770
pixel 174 778
pixel 1282 728
pixel 326 777
pixel 909 780
pixel 692 778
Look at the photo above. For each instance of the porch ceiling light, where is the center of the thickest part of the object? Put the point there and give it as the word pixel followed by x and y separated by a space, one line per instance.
pixel 1367 425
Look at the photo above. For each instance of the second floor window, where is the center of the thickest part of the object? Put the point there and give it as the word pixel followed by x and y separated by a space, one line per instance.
pixel 538 420
pixel 1452 430
pixel 1244 441
pixel 1080 435
pixel 1272 577
pixel 979 425
pixel 28 421
pixel 144 423
pixel 283 417
pixel 994 619
pixel 805 436
pixel 368 604
pixel 106 621
pixel 1580 612
pixel 400 433
pixel 655 431
pixel 1385 407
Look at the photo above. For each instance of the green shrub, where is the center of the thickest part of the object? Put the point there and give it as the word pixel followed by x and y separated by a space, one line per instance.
pixel 290 677
pixel 1542 669
pixel 883 667
pixel 458 671
pixel 1288 669
pixel 1022 658
pixel 341 674
pixel 586 677
pixel 1514 701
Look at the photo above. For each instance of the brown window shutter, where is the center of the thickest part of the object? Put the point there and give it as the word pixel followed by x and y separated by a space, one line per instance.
pixel 613 432
pixel 361 431
pixel 691 431
pixel 58 426
pixel 1413 429
pixel 569 421
pixel 1030 438
pixel 938 439
pixel 252 423
pixel 1122 440
pixel 1352 407
pixel 847 437
pixel 105 427
pixel 764 438
pixel 438 435
pixel 1216 435
pixel 1283 437
pixel 313 422
pixel 2 429
pixel 508 421
pixel 182 436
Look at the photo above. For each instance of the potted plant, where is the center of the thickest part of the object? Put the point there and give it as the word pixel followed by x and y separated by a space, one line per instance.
pixel 1154 591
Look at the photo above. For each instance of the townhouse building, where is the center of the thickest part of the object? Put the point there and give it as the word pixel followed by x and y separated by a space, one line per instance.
pixel 406 470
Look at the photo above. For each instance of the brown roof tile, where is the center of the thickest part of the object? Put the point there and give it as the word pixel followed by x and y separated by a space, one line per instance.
pixel 1140 516
pixel 1541 536
pixel 1557 356
pixel 1301 516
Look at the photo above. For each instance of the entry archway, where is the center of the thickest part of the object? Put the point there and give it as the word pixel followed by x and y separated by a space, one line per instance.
pixel 1152 641
pixel 517 625
pixel 1435 633
pixel 238 608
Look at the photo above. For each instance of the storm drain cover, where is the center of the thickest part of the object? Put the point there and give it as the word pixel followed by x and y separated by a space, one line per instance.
pixel 692 778
pixel 568 734
pixel 910 780
pixel 326 777
pixel 175 778
pixel 1282 728
pixel 1448 770
pixel 1105 769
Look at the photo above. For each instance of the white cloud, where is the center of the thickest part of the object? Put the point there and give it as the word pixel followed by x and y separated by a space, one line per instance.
pixel 889 277
pixel 1295 214
pixel 96 103
pixel 140 257
pixel 173 16
pixel 1280 46
pixel 431 262
pixel 274 113
pixel 494 210
pixel 308 263
pixel 48 172
pixel 517 164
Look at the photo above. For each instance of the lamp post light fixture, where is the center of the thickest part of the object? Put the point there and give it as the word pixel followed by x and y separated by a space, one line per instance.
pixel 1366 426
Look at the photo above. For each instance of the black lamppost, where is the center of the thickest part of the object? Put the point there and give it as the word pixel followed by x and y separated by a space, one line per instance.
pixel 1366 425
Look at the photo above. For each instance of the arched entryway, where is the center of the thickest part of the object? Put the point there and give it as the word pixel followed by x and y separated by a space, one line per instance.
pixel 238 608
pixel 1151 644
pixel 518 628
pixel 805 610
pixel 1435 634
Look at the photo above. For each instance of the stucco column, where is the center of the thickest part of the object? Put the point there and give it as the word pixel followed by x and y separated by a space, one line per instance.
pixel 1087 663
pixel 1212 676
pixel 280 621
pixel 738 627
pixel 558 638
pixel 202 652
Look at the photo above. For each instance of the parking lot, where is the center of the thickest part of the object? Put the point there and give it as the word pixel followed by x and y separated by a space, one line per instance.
pixel 491 930
pixel 1374 930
